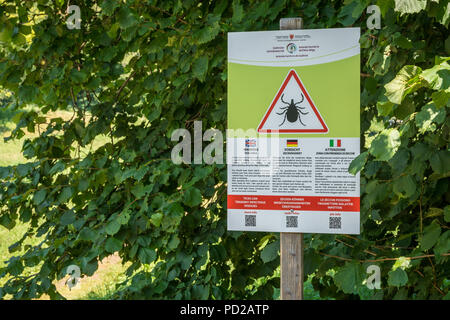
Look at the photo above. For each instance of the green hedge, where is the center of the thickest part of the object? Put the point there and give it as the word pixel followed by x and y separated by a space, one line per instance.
pixel 165 61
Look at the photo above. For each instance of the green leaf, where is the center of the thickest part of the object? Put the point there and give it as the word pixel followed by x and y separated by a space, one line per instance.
pixel 270 251
pixel 447 213
pixel 58 167
pixel 184 260
pixel 112 245
pixel 410 6
pixel 444 13
pixel 358 163
pixel 440 162
pixel 200 68
pixel 156 219
pixel 206 34
pixel 87 235
pixel 83 185
pixel 430 235
pixel 7 222
pixel 68 218
pixel 109 6
pixel 200 292
pixel 405 82
pixel 397 277
pixel 146 255
pixel 351 12
pixel 112 34
pixel 24 169
pixel 405 186
pixel 28 93
pixel 348 278
pixel 443 244
pixel 126 18
pixel 192 197
pixel 107 54
pixel 385 107
pixel 264 241
pixel 405 109
pixel 441 98
pixel 434 212
pixel 15 267
pixel 403 42
pixel 78 76
pixel 129 33
pixel 385 145
pixel 124 216
pixel 438 77
pixel 6 32
pixel 65 195
pixel 138 190
pixel 429 115
pixel 238 12
pixel 381 61
pixel 399 161
pixel 112 227
pixel 173 243
pixel 39 196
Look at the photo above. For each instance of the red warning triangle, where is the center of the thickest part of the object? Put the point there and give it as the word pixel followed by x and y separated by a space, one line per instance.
pixel 292 110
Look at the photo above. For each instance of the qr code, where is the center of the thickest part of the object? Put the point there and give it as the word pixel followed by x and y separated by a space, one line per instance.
pixel 291 222
pixel 335 222
pixel 250 221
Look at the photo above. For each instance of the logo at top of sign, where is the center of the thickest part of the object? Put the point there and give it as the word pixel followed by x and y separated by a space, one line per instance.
pixel 291 47
pixel 292 110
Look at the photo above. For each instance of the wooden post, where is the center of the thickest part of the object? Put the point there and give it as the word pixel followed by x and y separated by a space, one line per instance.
pixel 291 244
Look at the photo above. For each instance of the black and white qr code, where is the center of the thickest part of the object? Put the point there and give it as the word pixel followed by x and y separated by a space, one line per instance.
pixel 335 222
pixel 250 221
pixel 291 222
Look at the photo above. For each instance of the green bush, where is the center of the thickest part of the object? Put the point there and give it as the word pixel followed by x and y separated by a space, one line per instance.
pixel 149 67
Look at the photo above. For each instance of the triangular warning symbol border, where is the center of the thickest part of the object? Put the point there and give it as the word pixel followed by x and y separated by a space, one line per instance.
pixel 292 73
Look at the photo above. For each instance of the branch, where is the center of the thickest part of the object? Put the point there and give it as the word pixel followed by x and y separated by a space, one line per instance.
pixel 124 84
pixel 352 246
pixel 383 259
pixel 434 285
pixel 168 13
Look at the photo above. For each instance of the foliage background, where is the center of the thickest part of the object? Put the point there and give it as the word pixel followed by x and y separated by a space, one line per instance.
pixel 136 71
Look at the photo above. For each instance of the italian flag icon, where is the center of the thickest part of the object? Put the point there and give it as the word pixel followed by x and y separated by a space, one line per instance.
pixel 335 142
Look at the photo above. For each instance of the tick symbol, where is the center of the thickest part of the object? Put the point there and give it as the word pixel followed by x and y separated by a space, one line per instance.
pixel 291 111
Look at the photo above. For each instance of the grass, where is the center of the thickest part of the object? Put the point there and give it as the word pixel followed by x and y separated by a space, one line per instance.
pixel 100 286
pixel 110 272
pixel 7 238
pixel 10 152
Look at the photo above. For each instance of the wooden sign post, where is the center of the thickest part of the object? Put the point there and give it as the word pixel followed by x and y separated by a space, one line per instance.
pixel 291 244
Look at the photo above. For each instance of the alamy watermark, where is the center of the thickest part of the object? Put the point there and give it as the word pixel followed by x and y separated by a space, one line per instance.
pixel 75 276
pixel 242 144
pixel 374 280
pixel 74 20
pixel 374 20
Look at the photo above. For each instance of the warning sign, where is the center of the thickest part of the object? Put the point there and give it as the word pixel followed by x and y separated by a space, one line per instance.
pixel 292 110
pixel 293 130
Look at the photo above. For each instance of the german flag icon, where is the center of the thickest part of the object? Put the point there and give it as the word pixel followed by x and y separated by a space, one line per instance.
pixel 292 143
